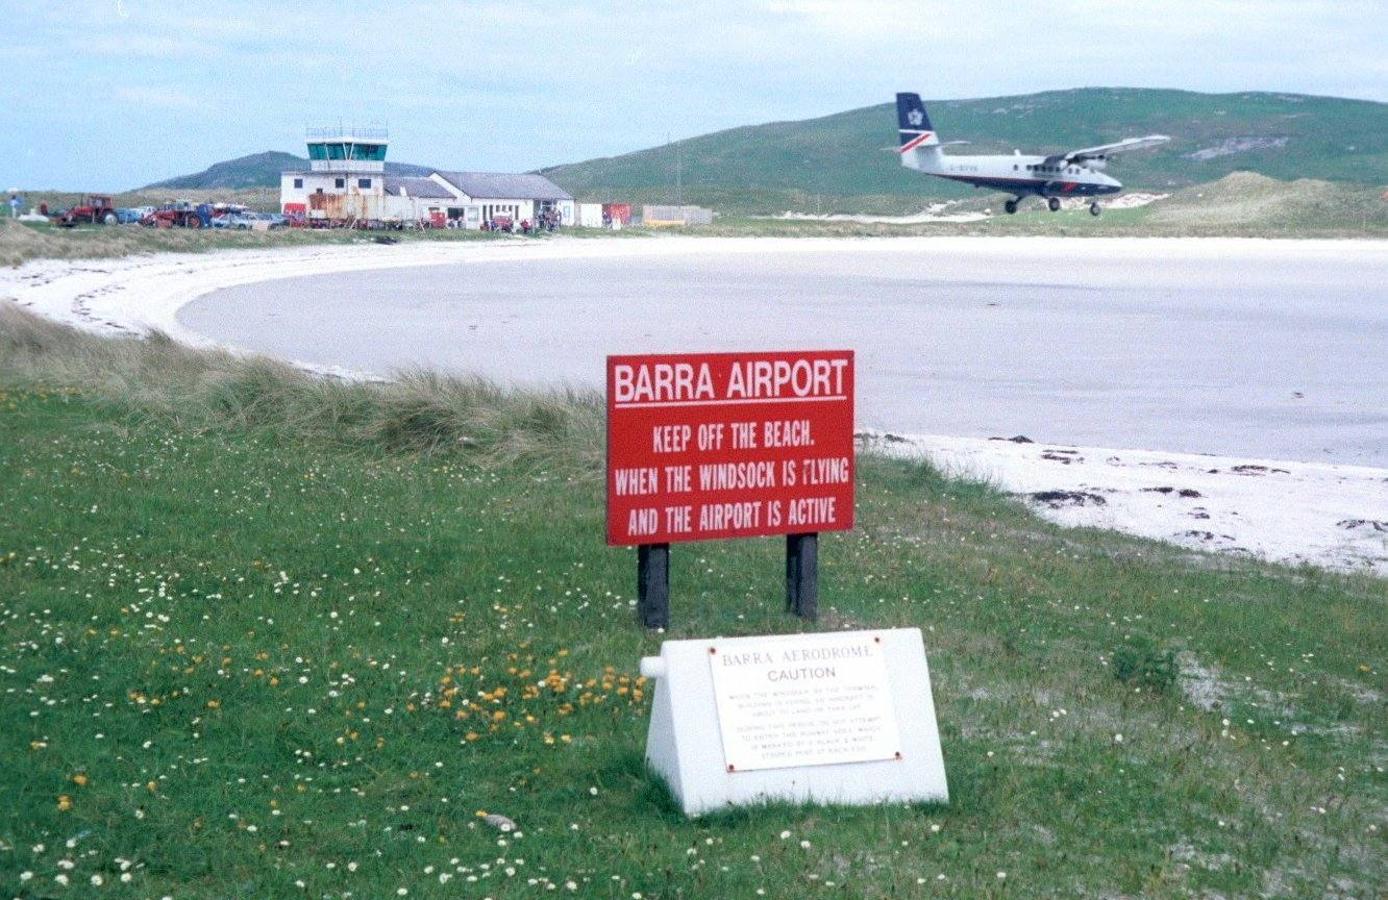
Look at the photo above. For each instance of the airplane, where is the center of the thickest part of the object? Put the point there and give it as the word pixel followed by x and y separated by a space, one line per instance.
pixel 1073 174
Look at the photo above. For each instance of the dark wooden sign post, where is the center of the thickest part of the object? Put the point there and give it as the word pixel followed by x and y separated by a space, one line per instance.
pixel 802 575
pixel 703 446
pixel 653 585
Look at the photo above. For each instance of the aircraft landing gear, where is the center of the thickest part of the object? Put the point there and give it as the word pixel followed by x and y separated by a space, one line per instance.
pixel 1053 204
pixel 1009 206
pixel 1095 208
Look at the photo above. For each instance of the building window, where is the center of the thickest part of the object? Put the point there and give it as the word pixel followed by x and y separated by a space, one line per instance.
pixel 363 182
pixel 298 183
pixel 372 152
pixel 339 182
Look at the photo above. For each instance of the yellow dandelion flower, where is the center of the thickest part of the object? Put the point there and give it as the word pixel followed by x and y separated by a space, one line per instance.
pixel 79 779
pixel 64 803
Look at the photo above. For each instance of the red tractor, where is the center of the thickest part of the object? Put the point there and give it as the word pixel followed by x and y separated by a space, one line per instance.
pixel 94 208
pixel 179 214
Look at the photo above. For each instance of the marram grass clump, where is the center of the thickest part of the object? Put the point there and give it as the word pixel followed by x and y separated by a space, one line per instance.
pixel 415 411
pixel 1140 662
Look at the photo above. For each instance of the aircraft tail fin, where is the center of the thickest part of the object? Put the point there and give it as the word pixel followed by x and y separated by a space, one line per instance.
pixel 914 130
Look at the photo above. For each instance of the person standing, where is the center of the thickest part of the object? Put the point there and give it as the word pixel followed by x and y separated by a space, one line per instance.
pixel 14 206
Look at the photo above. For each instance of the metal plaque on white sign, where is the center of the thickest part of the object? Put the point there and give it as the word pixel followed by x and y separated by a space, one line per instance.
pixel 802 700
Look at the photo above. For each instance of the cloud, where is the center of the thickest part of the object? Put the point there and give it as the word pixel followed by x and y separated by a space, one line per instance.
pixel 499 84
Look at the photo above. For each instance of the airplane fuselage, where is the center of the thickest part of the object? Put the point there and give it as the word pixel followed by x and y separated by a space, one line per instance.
pixel 1019 175
pixel 1074 173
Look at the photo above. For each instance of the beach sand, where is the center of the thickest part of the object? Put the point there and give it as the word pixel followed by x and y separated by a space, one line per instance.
pixel 1292 512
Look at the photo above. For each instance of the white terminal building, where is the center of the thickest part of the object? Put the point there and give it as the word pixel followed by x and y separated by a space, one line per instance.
pixel 346 183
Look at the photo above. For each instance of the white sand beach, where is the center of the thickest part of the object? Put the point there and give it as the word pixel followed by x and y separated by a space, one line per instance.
pixel 1290 511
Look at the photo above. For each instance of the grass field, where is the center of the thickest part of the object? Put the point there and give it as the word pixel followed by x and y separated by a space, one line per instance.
pixel 22 242
pixel 843 162
pixel 1238 205
pixel 266 635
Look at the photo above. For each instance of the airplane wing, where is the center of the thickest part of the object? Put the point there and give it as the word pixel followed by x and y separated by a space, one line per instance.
pixel 1105 150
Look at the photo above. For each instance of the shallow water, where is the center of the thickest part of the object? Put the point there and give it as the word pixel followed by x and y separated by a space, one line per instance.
pixel 1257 354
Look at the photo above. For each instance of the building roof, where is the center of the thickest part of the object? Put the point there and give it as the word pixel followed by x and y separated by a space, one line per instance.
pixel 417 187
pixel 502 186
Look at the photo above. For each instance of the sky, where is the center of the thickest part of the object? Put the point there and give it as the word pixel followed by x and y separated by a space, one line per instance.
pixel 114 94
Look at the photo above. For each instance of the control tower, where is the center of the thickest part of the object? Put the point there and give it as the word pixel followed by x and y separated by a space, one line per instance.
pixel 347 149
pixel 345 181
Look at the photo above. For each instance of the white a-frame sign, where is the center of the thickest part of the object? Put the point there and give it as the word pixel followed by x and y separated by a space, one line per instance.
pixel 842 717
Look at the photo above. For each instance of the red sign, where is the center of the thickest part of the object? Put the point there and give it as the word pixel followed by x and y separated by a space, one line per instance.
pixel 722 445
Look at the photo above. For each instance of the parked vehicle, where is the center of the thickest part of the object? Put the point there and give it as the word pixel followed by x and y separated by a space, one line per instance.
pixel 234 221
pixel 129 216
pixel 95 209
pixel 179 214
pixel 246 220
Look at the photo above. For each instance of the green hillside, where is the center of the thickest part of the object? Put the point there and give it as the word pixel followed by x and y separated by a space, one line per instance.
pixel 841 163
pixel 259 170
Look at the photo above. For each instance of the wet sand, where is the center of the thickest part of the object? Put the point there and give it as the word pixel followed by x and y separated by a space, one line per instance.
pixel 1263 351
pixel 1255 348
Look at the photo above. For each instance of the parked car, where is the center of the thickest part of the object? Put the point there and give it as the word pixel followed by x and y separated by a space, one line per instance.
pixel 234 221
pixel 246 220
pixel 130 216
